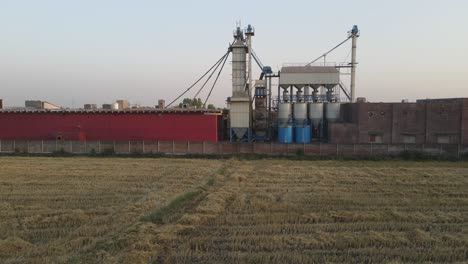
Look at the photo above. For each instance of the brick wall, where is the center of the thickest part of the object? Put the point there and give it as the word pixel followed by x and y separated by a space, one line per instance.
pixel 398 123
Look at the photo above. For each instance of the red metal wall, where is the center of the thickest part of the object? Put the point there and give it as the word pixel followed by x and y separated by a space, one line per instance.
pixel 107 126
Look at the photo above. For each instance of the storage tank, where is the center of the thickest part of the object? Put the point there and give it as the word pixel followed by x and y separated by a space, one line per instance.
pixel 285 134
pixel 115 106
pixel 161 104
pixel 284 113
pixel 332 111
pixel 303 134
pixel 315 114
pixel 300 114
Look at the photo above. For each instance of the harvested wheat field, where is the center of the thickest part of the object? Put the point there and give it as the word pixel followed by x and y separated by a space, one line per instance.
pixel 117 210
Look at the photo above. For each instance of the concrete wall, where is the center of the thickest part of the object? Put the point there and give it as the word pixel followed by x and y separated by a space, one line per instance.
pixel 464 126
pixel 222 148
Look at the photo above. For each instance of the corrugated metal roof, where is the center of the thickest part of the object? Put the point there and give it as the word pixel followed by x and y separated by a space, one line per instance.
pixel 120 111
pixel 309 69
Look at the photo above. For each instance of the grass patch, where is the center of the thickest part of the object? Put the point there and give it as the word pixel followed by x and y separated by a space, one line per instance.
pixel 112 245
pixel 162 215
pixel 210 181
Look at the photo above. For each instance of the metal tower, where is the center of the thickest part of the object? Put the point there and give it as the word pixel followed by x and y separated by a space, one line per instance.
pixel 240 112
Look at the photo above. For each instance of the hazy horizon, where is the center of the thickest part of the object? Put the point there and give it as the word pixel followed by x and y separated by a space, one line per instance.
pixel 72 53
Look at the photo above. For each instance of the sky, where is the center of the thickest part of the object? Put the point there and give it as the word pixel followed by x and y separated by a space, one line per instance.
pixel 97 51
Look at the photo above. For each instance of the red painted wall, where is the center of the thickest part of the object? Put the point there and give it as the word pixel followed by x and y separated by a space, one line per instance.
pixel 109 126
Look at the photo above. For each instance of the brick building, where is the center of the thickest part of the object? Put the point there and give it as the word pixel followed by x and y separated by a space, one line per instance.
pixel 438 121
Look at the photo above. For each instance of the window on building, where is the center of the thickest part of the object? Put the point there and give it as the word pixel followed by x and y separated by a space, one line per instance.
pixel 374 138
pixel 447 139
pixel 409 139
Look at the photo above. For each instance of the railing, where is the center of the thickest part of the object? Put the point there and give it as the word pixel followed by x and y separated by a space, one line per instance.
pixel 318 63
pixel 188 147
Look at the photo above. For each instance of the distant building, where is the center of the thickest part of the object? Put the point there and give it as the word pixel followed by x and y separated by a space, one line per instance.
pixel 41 105
pixel 123 104
pixel 107 106
pixel 90 106
pixel 161 104
pixel 431 121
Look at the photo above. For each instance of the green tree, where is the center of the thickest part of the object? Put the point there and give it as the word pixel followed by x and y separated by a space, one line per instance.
pixel 211 106
pixel 195 102
pixel 199 103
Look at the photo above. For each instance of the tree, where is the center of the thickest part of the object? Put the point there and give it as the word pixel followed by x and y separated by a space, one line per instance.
pixel 197 103
pixel 211 106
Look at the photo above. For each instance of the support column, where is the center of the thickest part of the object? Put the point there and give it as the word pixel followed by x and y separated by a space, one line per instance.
pixel 353 68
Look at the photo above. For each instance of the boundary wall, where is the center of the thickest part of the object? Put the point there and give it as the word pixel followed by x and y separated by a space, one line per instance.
pixel 221 148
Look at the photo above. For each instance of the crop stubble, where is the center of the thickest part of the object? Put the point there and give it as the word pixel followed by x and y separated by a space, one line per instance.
pixel 266 211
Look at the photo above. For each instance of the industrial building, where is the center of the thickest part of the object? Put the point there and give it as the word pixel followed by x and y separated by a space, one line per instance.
pixel 90 106
pixel 36 104
pixel 441 121
pixel 123 104
pixel 301 103
pixel 112 125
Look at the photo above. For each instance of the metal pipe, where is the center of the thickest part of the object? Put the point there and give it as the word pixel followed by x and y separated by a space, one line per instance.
pixel 326 53
pixel 353 68
pixel 291 94
pixel 249 47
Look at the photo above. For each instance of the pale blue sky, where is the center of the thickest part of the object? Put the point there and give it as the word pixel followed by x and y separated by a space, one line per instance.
pixel 96 51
